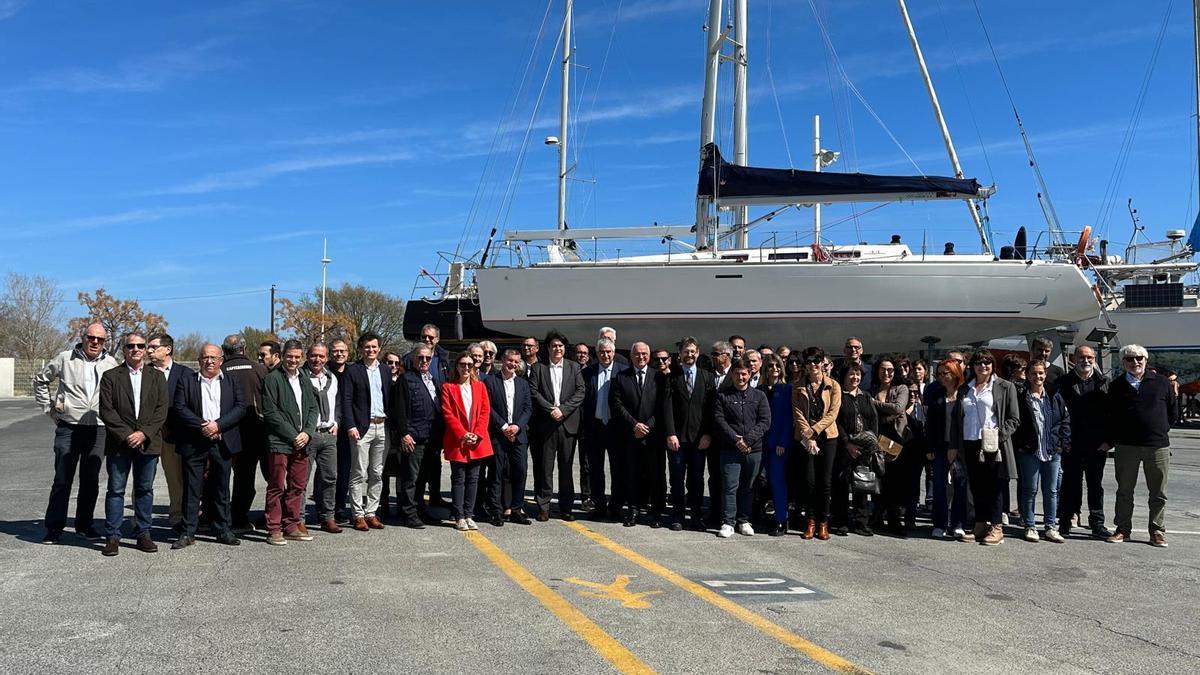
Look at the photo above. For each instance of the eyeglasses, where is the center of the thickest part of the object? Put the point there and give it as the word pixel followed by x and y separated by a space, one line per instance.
pixel 209 358
pixel 424 359
pixel 857 348
pixel 139 346
pixel 662 359
pixel 717 355
pixel 887 370
pixel 428 338
pixel 773 366
pixel 528 346
pixel 393 363
pixel 812 362
pixel 557 345
pixel 154 347
pixel 487 352
pixel 988 364
pixel 467 364
pixel 1133 358
pixel 95 338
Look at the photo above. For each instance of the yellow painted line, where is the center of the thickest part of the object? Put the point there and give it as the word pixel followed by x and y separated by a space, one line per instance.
pixel 605 645
pixel 816 653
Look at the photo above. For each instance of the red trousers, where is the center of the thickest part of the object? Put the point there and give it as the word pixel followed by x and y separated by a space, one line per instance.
pixel 286 481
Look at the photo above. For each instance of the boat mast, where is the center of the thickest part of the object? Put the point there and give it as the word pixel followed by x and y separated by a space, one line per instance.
pixel 941 120
pixel 708 113
pixel 741 214
pixel 562 118
pixel 817 167
pixel 1196 59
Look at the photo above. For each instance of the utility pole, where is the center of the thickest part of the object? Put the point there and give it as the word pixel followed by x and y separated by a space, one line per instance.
pixel 272 309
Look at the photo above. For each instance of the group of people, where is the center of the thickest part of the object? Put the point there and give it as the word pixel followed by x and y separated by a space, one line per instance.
pixel 780 438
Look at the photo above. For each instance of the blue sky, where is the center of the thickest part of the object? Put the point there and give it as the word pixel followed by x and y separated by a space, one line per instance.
pixel 192 155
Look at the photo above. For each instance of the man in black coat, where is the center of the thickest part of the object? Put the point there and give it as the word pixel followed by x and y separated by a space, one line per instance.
pixel 208 408
pixel 557 390
pixel 511 408
pixel 252 459
pixel 1138 418
pixel 687 428
pixel 599 437
pixel 639 478
pixel 1084 390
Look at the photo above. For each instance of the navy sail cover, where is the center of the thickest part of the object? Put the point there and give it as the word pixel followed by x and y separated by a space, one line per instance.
pixel 727 183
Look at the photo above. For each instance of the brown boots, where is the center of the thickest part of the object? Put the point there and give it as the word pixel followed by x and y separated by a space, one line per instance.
pixel 810 529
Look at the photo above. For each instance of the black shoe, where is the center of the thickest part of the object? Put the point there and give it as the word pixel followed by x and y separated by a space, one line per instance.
pixel 543 515
pixel 90 534
pixel 51 537
pixel 676 526
pixel 183 542
pixel 598 514
pixel 228 539
pixel 414 523
pixel 841 531
pixel 497 521
pixel 587 504
pixel 111 547
pixel 1101 532
pixel 696 525
pixel 863 531
pixel 567 517
pixel 656 522
pixel 519 517
pixel 779 530
pixel 631 519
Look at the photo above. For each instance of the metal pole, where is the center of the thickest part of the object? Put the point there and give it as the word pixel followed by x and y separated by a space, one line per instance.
pixel 816 167
pixel 324 267
pixel 708 109
pixel 740 141
pixel 941 120
pixel 562 118
pixel 272 309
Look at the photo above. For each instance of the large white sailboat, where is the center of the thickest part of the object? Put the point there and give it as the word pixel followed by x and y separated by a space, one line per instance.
pixel 892 297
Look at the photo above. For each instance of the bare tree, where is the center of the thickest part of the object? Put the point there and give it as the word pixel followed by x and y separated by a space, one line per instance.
pixel 117 316
pixel 31 317
pixel 187 348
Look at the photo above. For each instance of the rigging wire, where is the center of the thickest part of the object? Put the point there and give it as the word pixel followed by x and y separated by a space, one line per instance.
pixel 853 89
pixel 962 83
pixel 488 184
pixel 787 148
pixel 1044 200
pixel 840 100
pixel 1108 203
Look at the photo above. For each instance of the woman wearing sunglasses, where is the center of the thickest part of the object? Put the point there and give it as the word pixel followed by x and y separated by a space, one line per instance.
pixel 779 438
pixel 983 437
pixel 465 442
pixel 816 400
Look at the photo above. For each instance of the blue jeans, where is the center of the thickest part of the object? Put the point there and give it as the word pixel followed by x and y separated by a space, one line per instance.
pixel 738 471
pixel 119 466
pixel 1031 467
pixel 76 446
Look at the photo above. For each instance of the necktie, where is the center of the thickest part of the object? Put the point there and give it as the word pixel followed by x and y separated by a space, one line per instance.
pixel 602 396
pixel 641 379
pixel 690 381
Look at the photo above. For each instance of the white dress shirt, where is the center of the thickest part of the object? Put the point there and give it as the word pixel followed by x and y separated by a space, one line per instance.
pixel 979 411
pixel 210 396
pixel 510 395
pixel 318 382
pixel 556 377
pixel 135 381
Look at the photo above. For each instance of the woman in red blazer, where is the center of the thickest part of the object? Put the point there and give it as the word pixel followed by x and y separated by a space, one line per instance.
pixel 466 442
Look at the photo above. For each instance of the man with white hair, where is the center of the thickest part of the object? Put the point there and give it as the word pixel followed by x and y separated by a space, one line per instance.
pixel 610 333
pixel 1084 390
pixel 1138 417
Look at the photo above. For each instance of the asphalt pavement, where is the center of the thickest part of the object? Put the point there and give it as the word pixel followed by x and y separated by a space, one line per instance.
pixel 589 597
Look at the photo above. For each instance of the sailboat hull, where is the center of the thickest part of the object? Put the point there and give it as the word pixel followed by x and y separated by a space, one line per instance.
pixel 890 305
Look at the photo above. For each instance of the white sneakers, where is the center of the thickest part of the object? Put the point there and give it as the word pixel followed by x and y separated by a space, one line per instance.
pixel 1031 535
pixel 725 532
pixel 745 529
pixel 471 524
pixel 461 525
pixel 1051 534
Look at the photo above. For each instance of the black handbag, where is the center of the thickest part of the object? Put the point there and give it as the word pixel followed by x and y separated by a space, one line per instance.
pixel 863 480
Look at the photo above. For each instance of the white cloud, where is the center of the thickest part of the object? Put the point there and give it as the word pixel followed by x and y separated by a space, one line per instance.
pixel 144 73
pixel 9 8
pixel 251 177
pixel 70 226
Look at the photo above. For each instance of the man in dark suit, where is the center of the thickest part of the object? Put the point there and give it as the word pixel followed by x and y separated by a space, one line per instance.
pixel 160 349
pixel 530 356
pixel 511 408
pixel 415 420
pixel 641 474
pixel 439 367
pixel 557 390
pixel 687 427
pixel 599 430
pixel 366 388
pixel 208 408
pixel 133 407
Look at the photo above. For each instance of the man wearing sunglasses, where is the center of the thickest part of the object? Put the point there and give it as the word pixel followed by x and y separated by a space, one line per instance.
pixel 439 367
pixel 1084 389
pixel 1138 424
pixel 78 437
pixel 133 406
